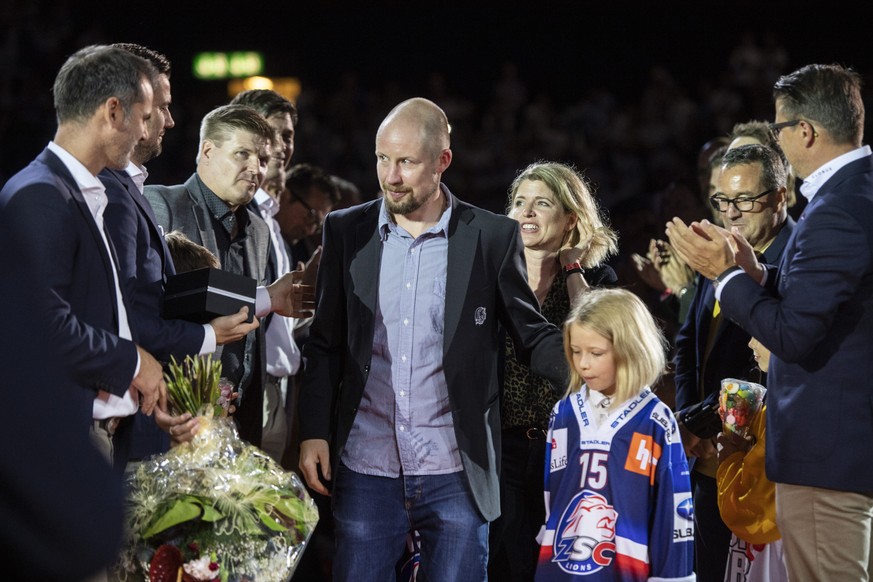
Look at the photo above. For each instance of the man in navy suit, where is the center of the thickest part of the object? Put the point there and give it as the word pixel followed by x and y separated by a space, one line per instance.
pixel 60 497
pixel 815 314
pixel 103 100
pixel 400 400
pixel 751 196
pixel 144 263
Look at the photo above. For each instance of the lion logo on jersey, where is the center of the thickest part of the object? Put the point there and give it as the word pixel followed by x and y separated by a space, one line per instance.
pixel 585 537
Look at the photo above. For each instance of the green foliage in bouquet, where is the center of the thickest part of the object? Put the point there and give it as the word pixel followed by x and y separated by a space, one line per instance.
pixel 219 498
pixel 193 384
pixel 215 508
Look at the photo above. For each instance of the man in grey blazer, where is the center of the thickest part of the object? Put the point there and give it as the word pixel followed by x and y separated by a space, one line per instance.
pixel 210 209
pixel 400 401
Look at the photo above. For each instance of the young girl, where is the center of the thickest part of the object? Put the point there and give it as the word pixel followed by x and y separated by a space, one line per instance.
pixel 618 496
pixel 747 500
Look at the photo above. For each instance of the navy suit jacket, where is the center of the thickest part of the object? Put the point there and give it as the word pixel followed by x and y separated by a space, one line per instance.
pixel 818 324
pixel 730 356
pixel 144 263
pixel 73 270
pixel 59 496
pixel 485 276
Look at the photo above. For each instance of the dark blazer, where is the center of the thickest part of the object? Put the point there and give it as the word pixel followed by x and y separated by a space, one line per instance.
pixel 730 356
pixel 59 496
pixel 144 265
pixel 73 269
pixel 485 276
pixel 818 324
pixel 182 207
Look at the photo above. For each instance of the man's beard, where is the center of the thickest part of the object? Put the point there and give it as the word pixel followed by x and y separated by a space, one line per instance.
pixel 142 153
pixel 407 205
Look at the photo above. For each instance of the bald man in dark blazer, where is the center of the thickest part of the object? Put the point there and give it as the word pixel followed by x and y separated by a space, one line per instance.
pixel 471 277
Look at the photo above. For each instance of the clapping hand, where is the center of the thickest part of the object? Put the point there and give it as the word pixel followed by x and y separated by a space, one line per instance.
pixel 703 246
pixel 674 272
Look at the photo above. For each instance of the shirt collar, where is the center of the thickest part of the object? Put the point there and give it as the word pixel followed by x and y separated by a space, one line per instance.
pixel 266 203
pixel 816 180
pixel 85 180
pixel 138 174
pixel 387 223
pixel 598 399
pixel 221 210
pixel 92 189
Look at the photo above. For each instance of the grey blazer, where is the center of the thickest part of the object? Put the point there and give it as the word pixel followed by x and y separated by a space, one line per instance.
pixel 183 207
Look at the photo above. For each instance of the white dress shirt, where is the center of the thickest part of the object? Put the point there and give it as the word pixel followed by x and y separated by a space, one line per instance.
pixel 283 355
pixel 106 405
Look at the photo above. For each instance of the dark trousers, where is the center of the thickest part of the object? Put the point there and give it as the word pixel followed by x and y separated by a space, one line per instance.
pixel 513 546
pixel 712 538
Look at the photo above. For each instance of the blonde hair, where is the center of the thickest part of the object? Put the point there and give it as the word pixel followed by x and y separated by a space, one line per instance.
pixel 591 233
pixel 638 345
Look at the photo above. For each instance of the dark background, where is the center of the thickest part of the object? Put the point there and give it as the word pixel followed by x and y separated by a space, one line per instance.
pixel 626 91
pixel 562 48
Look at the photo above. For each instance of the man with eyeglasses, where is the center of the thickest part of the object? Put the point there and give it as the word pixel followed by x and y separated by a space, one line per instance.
pixel 751 197
pixel 308 197
pixel 814 312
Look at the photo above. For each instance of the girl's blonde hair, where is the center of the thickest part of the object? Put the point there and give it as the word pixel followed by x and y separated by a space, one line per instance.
pixel 638 345
pixel 591 232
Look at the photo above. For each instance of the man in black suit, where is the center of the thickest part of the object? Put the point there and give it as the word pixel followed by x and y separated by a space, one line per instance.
pixel 750 196
pixel 103 100
pixel 144 263
pixel 401 371
pixel 211 209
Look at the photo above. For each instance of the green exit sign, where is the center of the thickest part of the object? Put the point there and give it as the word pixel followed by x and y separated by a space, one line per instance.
pixel 228 65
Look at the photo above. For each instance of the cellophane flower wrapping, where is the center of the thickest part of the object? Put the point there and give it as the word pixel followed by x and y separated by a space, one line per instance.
pixel 216 508
pixel 738 403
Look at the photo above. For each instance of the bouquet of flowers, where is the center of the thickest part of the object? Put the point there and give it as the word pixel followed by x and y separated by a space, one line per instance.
pixel 216 508
pixel 738 403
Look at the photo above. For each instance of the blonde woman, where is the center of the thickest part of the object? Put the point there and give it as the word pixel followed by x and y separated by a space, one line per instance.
pixel 566 244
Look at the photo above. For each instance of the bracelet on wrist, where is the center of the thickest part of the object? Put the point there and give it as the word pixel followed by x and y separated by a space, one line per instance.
pixel 573 268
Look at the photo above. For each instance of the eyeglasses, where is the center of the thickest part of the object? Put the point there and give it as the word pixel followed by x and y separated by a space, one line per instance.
pixel 777 127
pixel 312 211
pixel 741 203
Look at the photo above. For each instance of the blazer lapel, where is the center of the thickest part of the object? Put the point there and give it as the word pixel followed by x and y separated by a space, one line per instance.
pixel 257 247
pixel 202 216
pixel 57 167
pixel 152 221
pixel 463 242
pixel 366 262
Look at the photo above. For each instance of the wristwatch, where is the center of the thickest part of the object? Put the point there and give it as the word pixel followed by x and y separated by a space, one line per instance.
pixel 720 279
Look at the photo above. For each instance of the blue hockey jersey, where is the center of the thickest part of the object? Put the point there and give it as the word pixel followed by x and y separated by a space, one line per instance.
pixel 618 495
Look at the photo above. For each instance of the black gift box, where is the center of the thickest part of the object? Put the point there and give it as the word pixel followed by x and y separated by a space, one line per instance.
pixel 202 295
